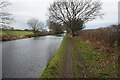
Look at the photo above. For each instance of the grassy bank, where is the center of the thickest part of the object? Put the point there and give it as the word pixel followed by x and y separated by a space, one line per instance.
pixel 12 35
pixel 90 62
pixel 55 67
pixel 16 33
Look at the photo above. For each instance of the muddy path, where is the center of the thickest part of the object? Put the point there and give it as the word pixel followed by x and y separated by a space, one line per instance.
pixel 69 60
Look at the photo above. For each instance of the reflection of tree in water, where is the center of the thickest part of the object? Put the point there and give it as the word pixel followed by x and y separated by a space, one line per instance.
pixel 36 38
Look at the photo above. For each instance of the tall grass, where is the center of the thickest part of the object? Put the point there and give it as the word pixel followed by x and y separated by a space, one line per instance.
pixel 107 39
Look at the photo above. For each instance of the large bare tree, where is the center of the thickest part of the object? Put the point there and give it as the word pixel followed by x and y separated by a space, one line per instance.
pixel 35 24
pixel 74 13
pixel 5 17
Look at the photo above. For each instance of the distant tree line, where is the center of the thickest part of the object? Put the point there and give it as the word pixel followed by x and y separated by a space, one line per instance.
pixel 56 28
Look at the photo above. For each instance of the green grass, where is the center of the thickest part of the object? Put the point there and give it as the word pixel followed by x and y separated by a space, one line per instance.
pixel 92 63
pixel 55 67
pixel 16 33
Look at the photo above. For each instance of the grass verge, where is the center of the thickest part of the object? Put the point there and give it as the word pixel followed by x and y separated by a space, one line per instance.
pixel 55 67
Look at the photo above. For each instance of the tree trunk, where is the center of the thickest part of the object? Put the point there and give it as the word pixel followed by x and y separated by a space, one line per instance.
pixel 73 34
pixel 72 31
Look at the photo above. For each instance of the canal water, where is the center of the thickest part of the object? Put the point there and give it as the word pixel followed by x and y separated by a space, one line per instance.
pixel 27 58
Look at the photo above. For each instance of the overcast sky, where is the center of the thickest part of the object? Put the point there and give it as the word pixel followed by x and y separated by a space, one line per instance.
pixel 23 10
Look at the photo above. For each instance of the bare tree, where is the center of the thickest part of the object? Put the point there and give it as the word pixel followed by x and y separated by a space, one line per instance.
pixel 35 25
pixel 5 17
pixel 74 13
